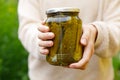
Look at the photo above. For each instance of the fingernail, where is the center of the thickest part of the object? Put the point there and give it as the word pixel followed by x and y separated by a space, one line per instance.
pixel 45 52
pixel 72 66
pixel 47 28
pixel 51 34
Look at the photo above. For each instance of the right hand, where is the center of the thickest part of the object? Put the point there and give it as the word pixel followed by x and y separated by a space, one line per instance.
pixel 45 38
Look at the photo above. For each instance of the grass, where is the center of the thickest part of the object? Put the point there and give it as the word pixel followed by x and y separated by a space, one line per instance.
pixel 13 57
pixel 116 64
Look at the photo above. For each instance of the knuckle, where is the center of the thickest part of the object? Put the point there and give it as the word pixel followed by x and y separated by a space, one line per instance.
pixel 86 34
pixel 45 43
pixel 45 36
pixel 85 37
pixel 44 51
pixel 43 28
pixel 40 28
pixel 41 51
pixel 40 45
pixel 40 36
pixel 40 42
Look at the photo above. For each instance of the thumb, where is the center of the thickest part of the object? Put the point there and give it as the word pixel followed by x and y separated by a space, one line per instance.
pixel 85 36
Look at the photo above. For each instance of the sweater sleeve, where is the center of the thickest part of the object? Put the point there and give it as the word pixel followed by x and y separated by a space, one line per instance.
pixel 108 40
pixel 29 21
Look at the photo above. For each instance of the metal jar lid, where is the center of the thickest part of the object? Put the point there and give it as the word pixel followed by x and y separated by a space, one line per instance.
pixel 63 9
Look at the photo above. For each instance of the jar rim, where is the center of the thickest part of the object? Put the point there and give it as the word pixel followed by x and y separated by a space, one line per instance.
pixel 62 9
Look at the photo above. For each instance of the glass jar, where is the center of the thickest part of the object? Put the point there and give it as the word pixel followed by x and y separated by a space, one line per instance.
pixel 67 27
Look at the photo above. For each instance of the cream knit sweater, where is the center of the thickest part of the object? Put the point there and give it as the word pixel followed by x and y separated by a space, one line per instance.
pixel 104 14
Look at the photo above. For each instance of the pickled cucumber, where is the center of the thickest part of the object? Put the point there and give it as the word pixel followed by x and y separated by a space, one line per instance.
pixel 54 27
pixel 78 51
pixel 67 48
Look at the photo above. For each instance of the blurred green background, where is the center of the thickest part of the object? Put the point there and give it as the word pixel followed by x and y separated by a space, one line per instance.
pixel 13 57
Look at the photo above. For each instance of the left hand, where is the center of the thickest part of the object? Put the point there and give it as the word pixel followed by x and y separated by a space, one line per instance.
pixel 87 40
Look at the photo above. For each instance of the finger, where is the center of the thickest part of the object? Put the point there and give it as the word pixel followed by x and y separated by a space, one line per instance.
pixel 43 22
pixel 43 28
pixel 45 43
pixel 46 36
pixel 85 59
pixel 85 37
pixel 78 66
pixel 43 51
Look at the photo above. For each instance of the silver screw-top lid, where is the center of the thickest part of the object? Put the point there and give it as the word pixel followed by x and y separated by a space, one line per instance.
pixel 63 9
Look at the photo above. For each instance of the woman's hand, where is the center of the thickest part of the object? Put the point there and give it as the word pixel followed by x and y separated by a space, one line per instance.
pixel 45 36
pixel 87 40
